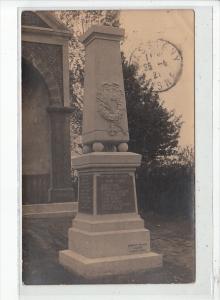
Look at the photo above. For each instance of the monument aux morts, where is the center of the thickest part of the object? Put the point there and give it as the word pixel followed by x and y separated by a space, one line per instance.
pixel 107 236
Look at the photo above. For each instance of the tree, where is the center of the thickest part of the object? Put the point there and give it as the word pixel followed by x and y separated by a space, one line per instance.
pixel 154 131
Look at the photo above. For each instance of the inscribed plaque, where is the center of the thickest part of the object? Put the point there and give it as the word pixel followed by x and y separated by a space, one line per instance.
pixel 115 194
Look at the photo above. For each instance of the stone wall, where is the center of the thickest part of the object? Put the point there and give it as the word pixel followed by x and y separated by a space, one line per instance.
pixel 35 123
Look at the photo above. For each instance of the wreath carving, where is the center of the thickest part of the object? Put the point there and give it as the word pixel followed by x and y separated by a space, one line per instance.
pixel 110 106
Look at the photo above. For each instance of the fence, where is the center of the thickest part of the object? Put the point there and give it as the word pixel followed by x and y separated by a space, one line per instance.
pixel 166 190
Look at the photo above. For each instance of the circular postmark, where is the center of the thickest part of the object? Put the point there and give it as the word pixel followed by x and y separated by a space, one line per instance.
pixel 161 62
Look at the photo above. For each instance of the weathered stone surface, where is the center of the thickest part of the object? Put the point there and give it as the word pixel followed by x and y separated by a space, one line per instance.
pixel 35 123
pixel 86 193
pixel 107 159
pixel 65 194
pixel 60 147
pixel 111 244
pixel 106 266
pixel 104 115
pixel 103 237
pixel 61 185
pixel 101 223
pixel 48 59
pixel 35 188
pixel 29 18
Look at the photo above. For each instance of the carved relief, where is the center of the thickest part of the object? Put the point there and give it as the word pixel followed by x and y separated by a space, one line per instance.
pixel 110 106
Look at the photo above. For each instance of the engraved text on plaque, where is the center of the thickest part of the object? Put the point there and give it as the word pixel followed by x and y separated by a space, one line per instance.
pixel 115 194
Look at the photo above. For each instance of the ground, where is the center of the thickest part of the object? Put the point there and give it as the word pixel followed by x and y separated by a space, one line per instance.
pixel 171 236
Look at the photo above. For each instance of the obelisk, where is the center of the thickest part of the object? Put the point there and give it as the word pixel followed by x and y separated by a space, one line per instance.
pixel 107 236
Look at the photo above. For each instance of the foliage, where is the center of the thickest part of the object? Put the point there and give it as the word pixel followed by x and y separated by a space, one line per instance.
pixel 167 185
pixel 183 157
pixel 77 22
pixel 165 179
pixel 154 131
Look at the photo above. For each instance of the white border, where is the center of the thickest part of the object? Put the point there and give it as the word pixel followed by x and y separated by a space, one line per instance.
pixel 216 151
pixel 203 288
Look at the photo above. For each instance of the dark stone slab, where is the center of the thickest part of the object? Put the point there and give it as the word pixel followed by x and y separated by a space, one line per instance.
pixel 86 194
pixel 35 123
pixel 35 188
pixel 60 150
pixel 115 194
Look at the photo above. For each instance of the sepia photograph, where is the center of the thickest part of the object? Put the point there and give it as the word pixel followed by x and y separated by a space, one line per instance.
pixel 108 164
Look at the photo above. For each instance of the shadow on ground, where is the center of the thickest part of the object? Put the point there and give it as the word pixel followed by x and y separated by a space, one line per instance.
pixel 43 238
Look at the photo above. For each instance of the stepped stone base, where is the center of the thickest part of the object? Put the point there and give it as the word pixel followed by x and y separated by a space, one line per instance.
pixel 108 236
pixel 112 265
pixel 108 245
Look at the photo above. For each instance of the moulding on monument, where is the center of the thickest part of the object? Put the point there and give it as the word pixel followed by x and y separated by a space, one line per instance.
pixel 107 159
pixel 102 32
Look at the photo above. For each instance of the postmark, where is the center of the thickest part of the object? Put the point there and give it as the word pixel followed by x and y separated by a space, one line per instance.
pixel 161 62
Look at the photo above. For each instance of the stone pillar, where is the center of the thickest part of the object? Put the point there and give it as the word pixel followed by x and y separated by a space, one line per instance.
pixel 107 236
pixel 61 189
pixel 104 118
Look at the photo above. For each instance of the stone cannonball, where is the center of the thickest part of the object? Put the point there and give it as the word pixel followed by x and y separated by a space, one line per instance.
pixel 123 147
pixel 86 149
pixel 97 147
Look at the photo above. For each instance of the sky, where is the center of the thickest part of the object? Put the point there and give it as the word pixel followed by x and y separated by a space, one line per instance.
pixel 176 27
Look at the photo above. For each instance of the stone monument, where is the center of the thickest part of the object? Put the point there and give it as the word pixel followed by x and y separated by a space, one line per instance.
pixel 107 236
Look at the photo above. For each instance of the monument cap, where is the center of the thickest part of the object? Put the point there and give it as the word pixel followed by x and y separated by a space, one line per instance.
pixel 102 32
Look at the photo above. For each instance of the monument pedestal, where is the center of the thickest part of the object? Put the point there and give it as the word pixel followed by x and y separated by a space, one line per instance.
pixel 108 236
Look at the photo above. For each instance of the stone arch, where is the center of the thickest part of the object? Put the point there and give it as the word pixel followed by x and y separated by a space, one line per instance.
pixel 53 87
